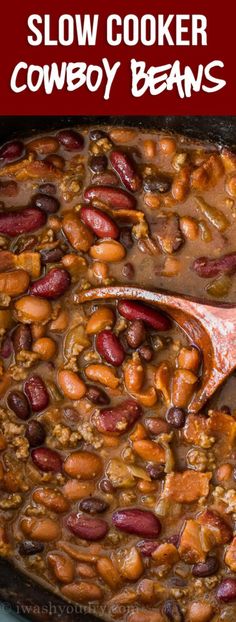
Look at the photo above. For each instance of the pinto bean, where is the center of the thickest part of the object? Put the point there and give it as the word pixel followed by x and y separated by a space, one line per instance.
pixel 149 450
pixel 183 386
pixel 78 234
pixel 14 283
pixel 16 222
pixel 108 571
pixel 110 251
pixel 82 592
pixel 43 145
pixel 52 499
pixel 62 566
pixel 45 347
pixel 83 465
pixel 132 310
pixel 47 459
pixel 75 489
pixel 109 346
pixel 40 529
pixel 200 612
pixel 133 375
pixel 118 419
pixel 137 522
pixel 102 318
pixel 36 393
pixel 33 309
pixel 92 529
pixel 103 374
pixel 71 385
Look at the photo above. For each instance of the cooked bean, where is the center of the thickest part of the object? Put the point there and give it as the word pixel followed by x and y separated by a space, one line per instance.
pixel 8 188
pixel 97 134
pixel 27 547
pixel 71 140
pixel 207 268
pixel 147 547
pixel 189 358
pixel 78 234
pixel 6 347
pixel 52 285
pixel 125 167
pixel 83 465
pixel 137 522
pixel 45 347
pixel 21 338
pixel 149 450
pixel 43 145
pixel 52 499
pixel 93 505
pixel 126 237
pixel 45 202
pixel 109 346
pixel 183 386
pixel 172 611
pixel 47 188
pixel 133 375
pixel 103 374
pixel 119 419
pixel 62 566
pixel 101 224
pixel 12 150
pixel 156 471
pixel 207 568
pixel 47 459
pixel 98 163
pixel 71 385
pixel 107 251
pixel 176 417
pixel 17 402
pixel 146 353
pixel 75 489
pixel 157 183
pixel 167 145
pixel 116 198
pixel 97 395
pixel 226 591
pixel 82 592
pixel 200 612
pixel 24 221
pixel 100 319
pixel 40 529
pixel 35 433
pixel 132 310
pixel 14 283
pixel 92 529
pixel 108 571
pixel 33 309
pixel 135 334
pixel 37 393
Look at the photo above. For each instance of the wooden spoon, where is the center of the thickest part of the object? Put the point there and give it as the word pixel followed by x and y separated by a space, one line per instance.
pixel 211 327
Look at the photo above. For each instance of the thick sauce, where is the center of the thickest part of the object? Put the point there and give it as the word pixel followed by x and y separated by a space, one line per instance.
pixel 111 491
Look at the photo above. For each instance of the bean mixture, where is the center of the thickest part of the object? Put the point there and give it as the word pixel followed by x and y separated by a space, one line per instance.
pixel 113 493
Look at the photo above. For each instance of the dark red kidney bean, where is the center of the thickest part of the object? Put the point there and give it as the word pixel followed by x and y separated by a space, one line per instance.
pixel 135 334
pixel 6 347
pixel 93 505
pixel 125 167
pixel 156 471
pixel 100 223
pixel 128 271
pixel 12 150
pixel 52 285
pixel 8 188
pixel 17 402
pixel 172 611
pixel 71 140
pixel 47 188
pixel 207 268
pixel 207 568
pixel 97 396
pixel 98 163
pixel 51 255
pixel 45 202
pixel 22 338
pixel 111 196
pixel 147 547
pixel 96 134
pixel 137 522
pixel 126 237
pixel 132 310
pixel 35 433
pixel 21 221
pixel 226 591
pixel 146 353
pixel 176 417
pixel 47 459
pixel 106 486
pixel 157 183
pixel 36 392
pixel 27 547
pixel 118 419
pixel 87 528
pixel 109 346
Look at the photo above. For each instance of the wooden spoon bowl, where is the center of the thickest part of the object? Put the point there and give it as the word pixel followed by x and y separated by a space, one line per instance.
pixel 212 328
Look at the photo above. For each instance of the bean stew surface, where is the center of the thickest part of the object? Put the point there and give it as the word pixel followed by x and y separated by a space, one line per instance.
pixel 112 492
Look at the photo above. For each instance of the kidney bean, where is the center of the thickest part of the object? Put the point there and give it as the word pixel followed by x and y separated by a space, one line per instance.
pixel 17 402
pixel 47 188
pixel 207 268
pixel 71 140
pixel 12 150
pixel 37 393
pixel 118 419
pixel 147 547
pixel 47 459
pixel 27 547
pixel 8 188
pixel 52 285
pixel 176 417
pixel 45 202
pixel 96 134
pixel 207 568
pixel 132 310
pixel 137 522
pixel 6 347
pixel 116 198
pixel 125 167
pixel 92 529
pixel 97 396
pixel 35 433
pixel 98 163
pixel 83 465
pixel 128 271
pixel 172 611
pixel 93 505
pixel 21 221
pixel 21 338
pixel 156 471
pixel 101 224
pixel 135 334
pixel 51 255
pixel 109 346
pixel 226 591
pixel 146 353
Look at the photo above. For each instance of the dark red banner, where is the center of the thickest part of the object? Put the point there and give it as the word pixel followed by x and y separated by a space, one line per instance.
pixel 136 57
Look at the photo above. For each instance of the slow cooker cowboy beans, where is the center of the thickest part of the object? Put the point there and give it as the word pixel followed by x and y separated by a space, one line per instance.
pixel 112 492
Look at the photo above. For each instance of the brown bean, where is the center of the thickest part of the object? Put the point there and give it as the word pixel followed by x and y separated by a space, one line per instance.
pixel 45 347
pixel 137 522
pixel 109 346
pixel 92 529
pixel 54 284
pixel 35 433
pixel 118 419
pixel 71 385
pixel 189 358
pixel 83 465
pixel 36 392
pixel 17 402
pixel 33 309
pixel 176 417
pixel 62 566
pixel 102 318
pixel 131 564
pixel 189 227
pixel 110 251
pixel 97 395
pixel 135 334
pixel 82 592
pixel 47 459
pixel 125 167
pixel 41 529
pixel 78 234
pixel 156 425
pixel 44 145
pixel 21 338
pixel 52 499
pixel 14 283
pixel 93 505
